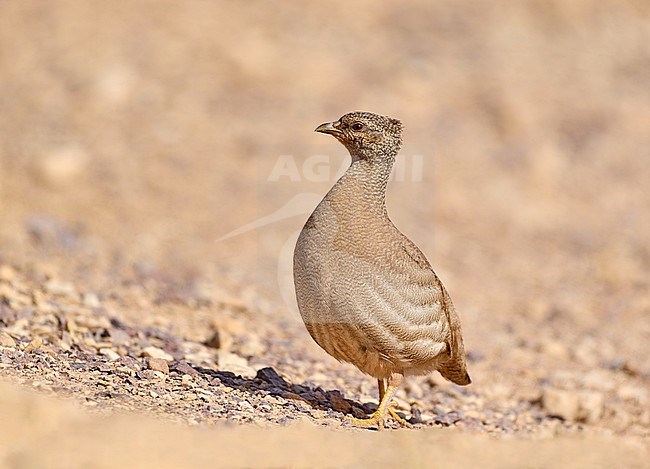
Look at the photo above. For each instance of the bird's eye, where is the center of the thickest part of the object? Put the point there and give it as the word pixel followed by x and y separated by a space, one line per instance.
pixel 357 126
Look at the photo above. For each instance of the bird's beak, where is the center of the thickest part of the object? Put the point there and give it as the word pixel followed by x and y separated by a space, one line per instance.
pixel 328 128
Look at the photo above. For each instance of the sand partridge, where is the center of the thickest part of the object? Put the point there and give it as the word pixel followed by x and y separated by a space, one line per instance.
pixel 366 293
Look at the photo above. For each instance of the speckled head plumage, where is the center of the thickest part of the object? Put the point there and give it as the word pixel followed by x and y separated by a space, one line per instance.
pixel 366 135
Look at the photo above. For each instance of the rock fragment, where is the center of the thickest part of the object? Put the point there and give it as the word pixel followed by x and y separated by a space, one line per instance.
pixel 561 403
pixel 6 340
pixel 585 406
pixel 269 375
pixel 155 352
pixel 184 368
pixel 110 353
pixel 158 364
pixel 35 344
pixel 339 404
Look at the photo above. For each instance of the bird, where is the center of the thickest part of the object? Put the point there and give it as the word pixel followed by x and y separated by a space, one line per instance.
pixel 366 293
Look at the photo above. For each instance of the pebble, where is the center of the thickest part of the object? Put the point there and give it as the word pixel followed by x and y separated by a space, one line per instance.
pixel 634 393
pixel 358 413
pixel 340 404
pixel 583 406
pixel 214 341
pixel 59 166
pixel 294 397
pixel 35 344
pixel 184 368
pixel 228 360
pixel 472 414
pixel 158 364
pixel 155 352
pixel 591 406
pixel 110 353
pixel 91 300
pixel 561 403
pixel 59 288
pixel 234 363
pixel 599 380
pixel 269 375
pixel 6 340
pixel 119 337
pixel 7 273
pixel 252 348
pixel 187 381
pixel 232 326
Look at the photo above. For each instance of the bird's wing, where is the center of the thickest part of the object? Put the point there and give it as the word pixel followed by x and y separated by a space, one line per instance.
pixel 433 289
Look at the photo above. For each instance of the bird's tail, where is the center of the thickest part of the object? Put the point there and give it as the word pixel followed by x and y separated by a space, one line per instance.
pixel 456 373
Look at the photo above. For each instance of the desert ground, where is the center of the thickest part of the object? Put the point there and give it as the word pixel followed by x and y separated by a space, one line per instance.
pixel 158 160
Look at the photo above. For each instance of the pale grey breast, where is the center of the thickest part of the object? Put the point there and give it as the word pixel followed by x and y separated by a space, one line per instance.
pixel 368 296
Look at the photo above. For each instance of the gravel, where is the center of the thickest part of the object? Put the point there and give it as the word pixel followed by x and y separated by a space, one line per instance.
pixel 107 360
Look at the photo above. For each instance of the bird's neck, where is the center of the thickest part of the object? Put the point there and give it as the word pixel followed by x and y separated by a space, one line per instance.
pixel 363 186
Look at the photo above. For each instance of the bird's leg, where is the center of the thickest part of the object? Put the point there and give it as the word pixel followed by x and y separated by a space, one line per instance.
pixel 381 384
pixel 377 418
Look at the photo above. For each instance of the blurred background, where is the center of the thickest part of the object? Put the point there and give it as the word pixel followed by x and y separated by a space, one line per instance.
pixel 135 135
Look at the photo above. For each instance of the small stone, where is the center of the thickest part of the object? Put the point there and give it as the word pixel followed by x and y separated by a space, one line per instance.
pixel 319 377
pixel 214 341
pixel 269 375
pixel 591 407
pixel 369 407
pixel 7 273
pixel 48 231
pixel 34 344
pixel 118 336
pixel 110 353
pixel 252 348
pixel 626 392
pixel 184 368
pixel 90 300
pixel 158 364
pixel 55 287
pixel 358 413
pixel 561 403
pixel 339 404
pixel 416 415
pixel 60 166
pixel 6 340
pixel 232 326
pixel 155 352
pixel 294 397
pixel 228 360
pixel 597 380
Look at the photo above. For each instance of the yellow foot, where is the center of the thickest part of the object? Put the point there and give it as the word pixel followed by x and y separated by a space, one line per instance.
pixel 377 420
pixel 399 419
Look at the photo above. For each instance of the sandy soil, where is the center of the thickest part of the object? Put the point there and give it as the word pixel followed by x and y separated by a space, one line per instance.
pixel 158 160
